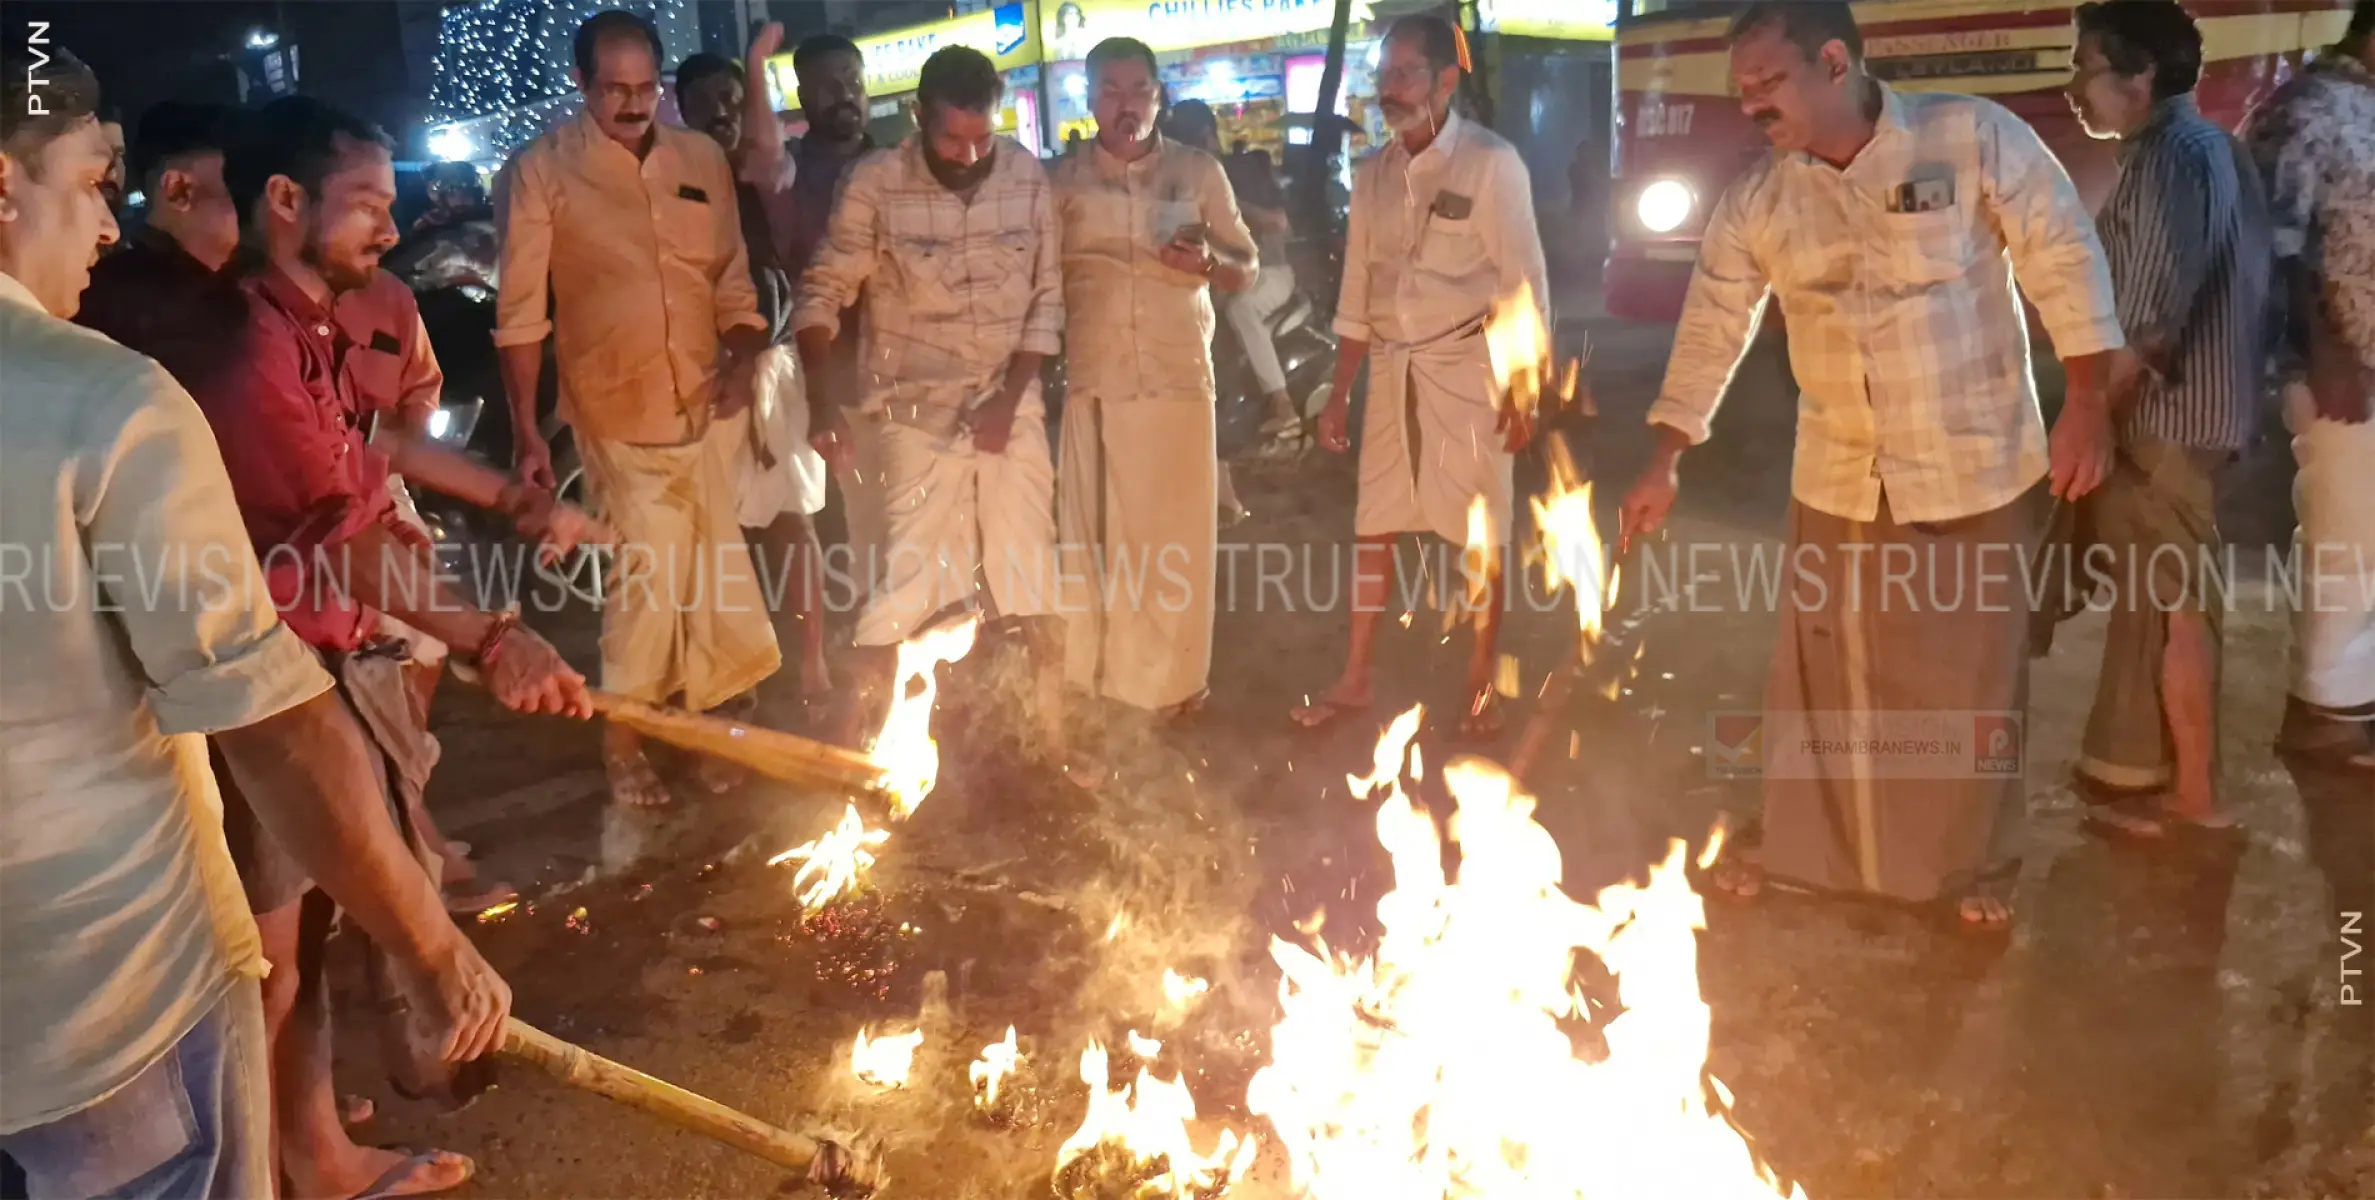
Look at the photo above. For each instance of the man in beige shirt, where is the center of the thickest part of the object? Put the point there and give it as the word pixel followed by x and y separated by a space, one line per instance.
pixel 1149 228
pixel 950 238
pixel 134 622
pixel 655 329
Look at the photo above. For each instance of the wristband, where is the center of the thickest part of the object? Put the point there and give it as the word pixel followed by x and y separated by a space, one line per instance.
pixel 488 646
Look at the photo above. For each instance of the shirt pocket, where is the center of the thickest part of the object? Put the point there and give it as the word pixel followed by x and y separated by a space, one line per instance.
pixel 1450 246
pixel 930 272
pixel 1930 247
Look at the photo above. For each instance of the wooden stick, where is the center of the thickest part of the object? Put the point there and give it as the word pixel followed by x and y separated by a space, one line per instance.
pixel 784 756
pixel 846 1169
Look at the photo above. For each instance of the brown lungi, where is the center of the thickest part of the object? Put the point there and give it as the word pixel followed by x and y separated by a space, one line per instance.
pixel 1893 715
pixel 2139 545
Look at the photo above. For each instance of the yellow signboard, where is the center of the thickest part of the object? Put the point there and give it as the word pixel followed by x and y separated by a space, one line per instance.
pixel 1573 20
pixel 1070 27
pixel 1008 33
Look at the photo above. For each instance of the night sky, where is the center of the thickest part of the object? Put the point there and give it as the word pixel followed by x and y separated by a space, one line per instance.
pixel 371 57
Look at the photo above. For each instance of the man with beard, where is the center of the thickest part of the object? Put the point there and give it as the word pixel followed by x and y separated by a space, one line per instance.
pixel 779 478
pixel 628 229
pixel 132 1031
pixel 832 96
pixel 1442 227
pixel 2185 234
pixel 1149 229
pixel 1881 224
pixel 951 240
pixel 2314 142
pixel 313 187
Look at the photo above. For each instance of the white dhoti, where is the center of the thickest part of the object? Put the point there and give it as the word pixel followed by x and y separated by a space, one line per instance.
pixel 953 511
pixel 2334 496
pixel 1428 443
pixel 778 471
pixel 1138 516
pixel 683 611
pixel 863 510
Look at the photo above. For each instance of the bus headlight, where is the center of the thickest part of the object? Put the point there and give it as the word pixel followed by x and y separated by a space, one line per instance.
pixel 1663 206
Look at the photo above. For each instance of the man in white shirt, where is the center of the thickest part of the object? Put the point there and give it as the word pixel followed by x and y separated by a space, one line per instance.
pixel 134 622
pixel 1882 225
pixel 1442 228
pixel 950 237
pixel 655 329
pixel 1149 229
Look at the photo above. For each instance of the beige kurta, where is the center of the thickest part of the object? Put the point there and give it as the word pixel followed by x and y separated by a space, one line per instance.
pixel 1136 494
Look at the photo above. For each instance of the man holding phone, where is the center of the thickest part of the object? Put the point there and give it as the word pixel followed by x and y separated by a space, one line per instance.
pixel 1149 228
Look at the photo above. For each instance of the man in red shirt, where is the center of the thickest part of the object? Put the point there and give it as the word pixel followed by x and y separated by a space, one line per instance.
pixel 313 187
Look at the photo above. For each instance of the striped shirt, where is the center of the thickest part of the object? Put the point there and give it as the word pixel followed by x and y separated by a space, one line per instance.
pixel 2186 232
pixel 1895 275
pixel 953 286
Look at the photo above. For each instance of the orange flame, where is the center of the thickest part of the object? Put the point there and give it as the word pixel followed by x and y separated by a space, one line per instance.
pixel 904 749
pixel 884 1062
pixel 1439 1067
pixel 1147 1122
pixel 831 865
pixel 998 1060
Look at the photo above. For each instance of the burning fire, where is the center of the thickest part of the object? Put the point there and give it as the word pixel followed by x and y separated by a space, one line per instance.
pixel 831 865
pixel 1440 1066
pixel 905 751
pixel 998 1060
pixel 1572 552
pixel 884 1062
pixel 1136 1138
pixel 1519 345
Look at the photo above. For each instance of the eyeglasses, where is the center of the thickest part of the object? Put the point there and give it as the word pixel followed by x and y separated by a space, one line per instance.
pixel 1407 75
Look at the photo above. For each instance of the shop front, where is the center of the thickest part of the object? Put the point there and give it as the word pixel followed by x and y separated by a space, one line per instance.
pixel 1253 61
pixel 1008 34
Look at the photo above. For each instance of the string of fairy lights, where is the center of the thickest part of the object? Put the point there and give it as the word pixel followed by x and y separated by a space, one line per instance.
pixel 502 66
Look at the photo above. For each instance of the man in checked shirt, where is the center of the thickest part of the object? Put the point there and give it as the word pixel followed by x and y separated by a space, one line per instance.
pixel 950 237
pixel 2186 233
pixel 1881 224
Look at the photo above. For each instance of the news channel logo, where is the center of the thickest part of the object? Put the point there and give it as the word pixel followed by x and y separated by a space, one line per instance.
pixel 1996 743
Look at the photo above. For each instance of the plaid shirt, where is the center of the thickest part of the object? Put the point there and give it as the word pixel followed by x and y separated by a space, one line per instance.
pixel 953 287
pixel 1909 349
pixel 2315 143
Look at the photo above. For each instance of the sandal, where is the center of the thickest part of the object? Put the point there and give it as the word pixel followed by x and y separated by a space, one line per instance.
pixel 399 1180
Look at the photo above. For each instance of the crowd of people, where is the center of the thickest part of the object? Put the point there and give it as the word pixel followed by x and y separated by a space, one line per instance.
pixel 217 699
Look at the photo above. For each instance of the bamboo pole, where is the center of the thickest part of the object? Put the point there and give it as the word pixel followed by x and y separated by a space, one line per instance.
pixel 784 756
pixel 842 1169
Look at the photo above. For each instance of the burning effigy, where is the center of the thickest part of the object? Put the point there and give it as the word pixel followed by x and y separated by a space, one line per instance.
pixel 1449 1047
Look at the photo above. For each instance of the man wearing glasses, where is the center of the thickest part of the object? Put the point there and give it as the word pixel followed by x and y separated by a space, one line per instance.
pixel 624 245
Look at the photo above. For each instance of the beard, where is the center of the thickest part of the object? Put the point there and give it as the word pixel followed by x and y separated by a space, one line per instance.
pixel 842 123
pixel 344 274
pixel 1402 118
pixel 958 178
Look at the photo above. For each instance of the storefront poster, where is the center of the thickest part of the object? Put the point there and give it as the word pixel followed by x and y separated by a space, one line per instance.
pixel 1008 33
pixel 1575 20
pixel 1070 27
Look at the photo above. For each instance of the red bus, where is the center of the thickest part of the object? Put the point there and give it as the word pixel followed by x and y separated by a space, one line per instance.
pixel 1681 138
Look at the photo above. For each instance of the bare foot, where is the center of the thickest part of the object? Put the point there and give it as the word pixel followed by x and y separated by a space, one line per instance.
pixel 355 1110
pixel 1737 877
pixel 634 783
pixel 719 776
pixel 1983 912
pixel 1341 700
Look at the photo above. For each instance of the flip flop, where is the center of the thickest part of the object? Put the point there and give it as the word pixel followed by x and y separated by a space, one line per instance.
pixel 392 1183
pixel 1323 712
pixel 2129 818
pixel 470 904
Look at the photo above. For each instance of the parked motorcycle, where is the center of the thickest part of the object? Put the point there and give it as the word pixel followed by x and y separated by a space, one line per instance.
pixel 454 271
